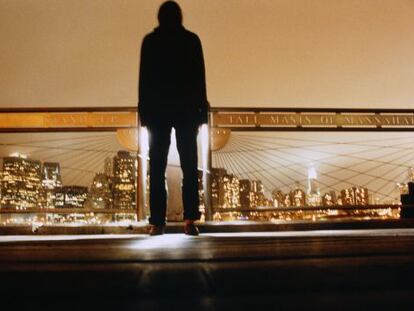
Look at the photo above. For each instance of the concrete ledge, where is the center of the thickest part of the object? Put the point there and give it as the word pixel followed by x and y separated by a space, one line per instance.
pixel 310 284
pixel 206 278
pixel 338 270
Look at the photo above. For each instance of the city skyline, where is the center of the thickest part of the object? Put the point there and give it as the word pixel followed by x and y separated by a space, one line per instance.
pixel 340 159
pixel 230 192
pixel 281 160
pixel 31 184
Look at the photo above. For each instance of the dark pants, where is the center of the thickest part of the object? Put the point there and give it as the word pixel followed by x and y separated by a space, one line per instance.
pixel 186 137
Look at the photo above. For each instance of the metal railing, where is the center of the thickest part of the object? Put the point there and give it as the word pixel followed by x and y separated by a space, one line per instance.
pixel 111 119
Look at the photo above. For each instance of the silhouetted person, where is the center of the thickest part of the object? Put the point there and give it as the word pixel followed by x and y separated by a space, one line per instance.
pixel 172 93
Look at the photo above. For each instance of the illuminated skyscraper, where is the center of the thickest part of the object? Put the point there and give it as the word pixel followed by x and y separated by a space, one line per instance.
pixel 99 195
pixel 225 189
pixel 347 197
pixel 407 196
pixel 298 196
pixel 109 172
pixel 1 180
pixel 74 196
pixel 329 199
pixel 124 181
pixel 52 185
pixel 287 202
pixel 257 197
pixel 21 183
pixel 313 196
pixel 245 190
pixel 355 196
pixel 231 191
pixel 217 187
pixel 361 196
pixel 278 198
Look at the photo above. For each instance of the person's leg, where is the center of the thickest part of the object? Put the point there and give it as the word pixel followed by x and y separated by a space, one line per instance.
pixel 158 151
pixel 186 136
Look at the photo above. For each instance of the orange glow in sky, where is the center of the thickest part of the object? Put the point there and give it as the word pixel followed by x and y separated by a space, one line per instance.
pixel 303 53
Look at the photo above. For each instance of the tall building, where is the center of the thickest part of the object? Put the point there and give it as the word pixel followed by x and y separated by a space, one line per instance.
pixel 355 196
pixel 52 185
pixel 278 198
pixel 217 187
pixel 124 181
pixel 1 181
pixel 231 191
pixel 99 195
pixel 245 193
pixel 287 202
pixel 298 197
pixel 1 178
pixel 109 172
pixel 257 197
pixel 225 189
pixel 21 183
pixel 313 196
pixel 74 196
pixel 329 199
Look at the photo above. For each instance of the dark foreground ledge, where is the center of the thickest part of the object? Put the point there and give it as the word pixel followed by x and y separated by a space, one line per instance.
pixel 341 269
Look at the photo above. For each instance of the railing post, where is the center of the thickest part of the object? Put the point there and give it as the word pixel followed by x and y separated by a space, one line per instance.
pixel 207 194
pixel 141 182
pixel 138 188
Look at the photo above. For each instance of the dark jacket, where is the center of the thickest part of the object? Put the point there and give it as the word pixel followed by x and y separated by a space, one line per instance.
pixel 172 84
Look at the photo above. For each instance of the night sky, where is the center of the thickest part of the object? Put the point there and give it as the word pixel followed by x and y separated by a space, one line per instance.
pixel 258 53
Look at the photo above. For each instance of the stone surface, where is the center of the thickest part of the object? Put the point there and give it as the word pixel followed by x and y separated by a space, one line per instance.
pixel 338 269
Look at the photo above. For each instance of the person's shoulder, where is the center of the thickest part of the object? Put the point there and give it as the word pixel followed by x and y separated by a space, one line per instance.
pixel 192 39
pixel 151 40
pixel 191 35
pixel 150 36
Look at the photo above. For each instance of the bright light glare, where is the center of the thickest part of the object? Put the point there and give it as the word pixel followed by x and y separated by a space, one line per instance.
pixel 143 149
pixel 18 155
pixel 143 142
pixel 204 145
pixel 162 242
pixel 312 173
pixel 204 133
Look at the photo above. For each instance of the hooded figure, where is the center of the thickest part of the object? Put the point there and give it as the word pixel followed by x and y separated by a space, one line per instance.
pixel 172 93
pixel 172 85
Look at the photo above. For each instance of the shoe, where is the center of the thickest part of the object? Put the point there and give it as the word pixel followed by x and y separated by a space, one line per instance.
pixel 190 228
pixel 157 229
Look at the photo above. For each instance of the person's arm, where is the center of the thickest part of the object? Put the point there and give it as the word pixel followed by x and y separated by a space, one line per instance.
pixel 143 84
pixel 202 90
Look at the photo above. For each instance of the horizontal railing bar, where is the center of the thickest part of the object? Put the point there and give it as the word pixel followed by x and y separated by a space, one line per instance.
pixel 307 109
pixel 212 109
pixel 66 211
pixel 316 129
pixel 68 109
pixel 311 208
pixel 278 209
pixel 58 129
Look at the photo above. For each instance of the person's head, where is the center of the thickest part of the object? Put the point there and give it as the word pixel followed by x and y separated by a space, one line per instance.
pixel 169 15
